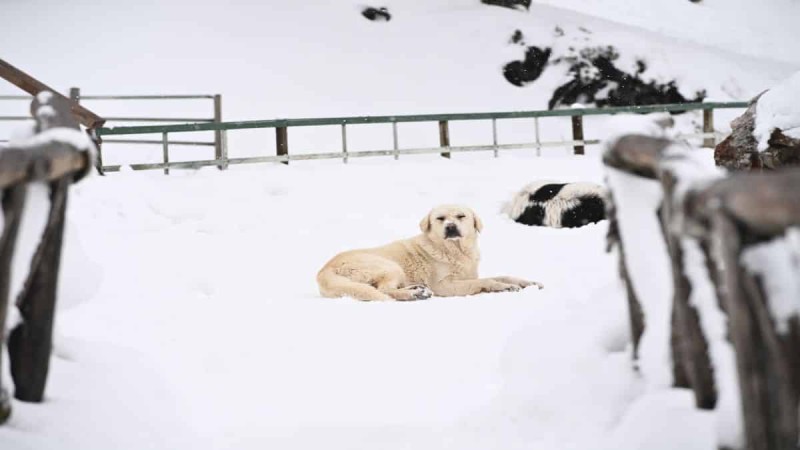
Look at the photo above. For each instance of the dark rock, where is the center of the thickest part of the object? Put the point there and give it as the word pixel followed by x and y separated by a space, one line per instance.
pixel 513 4
pixel 520 72
pixel 558 31
pixel 596 80
pixel 518 38
pixel 377 14
pixel 739 151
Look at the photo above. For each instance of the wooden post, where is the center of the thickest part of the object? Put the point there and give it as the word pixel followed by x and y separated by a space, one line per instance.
pixel 577 134
pixel 538 142
pixel 282 142
pixel 13 203
pixel 344 143
pixel 59 164
pixel 444 137
pixel 98 142
pixel 708 127
pixel 494 136
pixel 394 141
pixel 691 362
pixel 165 147
pixel 219 153
pixel 30 343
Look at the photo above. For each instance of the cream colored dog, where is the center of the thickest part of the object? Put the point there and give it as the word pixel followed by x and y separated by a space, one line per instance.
pixel 442 261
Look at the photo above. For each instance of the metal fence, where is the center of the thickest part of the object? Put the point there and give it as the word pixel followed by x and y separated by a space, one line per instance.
pixel 281 127
pixel 215 116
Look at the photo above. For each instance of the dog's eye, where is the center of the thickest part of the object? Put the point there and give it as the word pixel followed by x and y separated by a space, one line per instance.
pixel 460 216
pixel 440 219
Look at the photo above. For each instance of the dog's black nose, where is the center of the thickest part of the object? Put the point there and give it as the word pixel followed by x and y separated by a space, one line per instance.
pixel 451 230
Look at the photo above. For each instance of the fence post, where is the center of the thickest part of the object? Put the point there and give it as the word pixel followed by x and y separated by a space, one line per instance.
pixel 344 143
pixel 444 137
pixel 30 343
pixel 219 153
pixel 165 145
pixel 538 142
pixel 75 96
pixel 394 141
pixel 708 127
pixel 577 134
pixel 224 135
pixel 282 142
pixel 494 135
pixel 13 203
pixel 98 142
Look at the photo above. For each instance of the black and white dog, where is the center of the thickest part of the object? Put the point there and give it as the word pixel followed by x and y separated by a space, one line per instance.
pixel 553 204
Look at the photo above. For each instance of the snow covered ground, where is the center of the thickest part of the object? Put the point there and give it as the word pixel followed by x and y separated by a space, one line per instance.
pixel 205 329
pixel 190 317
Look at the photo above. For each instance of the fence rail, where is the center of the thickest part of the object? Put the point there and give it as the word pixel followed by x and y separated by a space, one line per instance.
pixel 281 127
pixel 215 116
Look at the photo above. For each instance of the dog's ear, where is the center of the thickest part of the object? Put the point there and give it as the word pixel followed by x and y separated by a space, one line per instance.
pixel 478 222
pixel 425 223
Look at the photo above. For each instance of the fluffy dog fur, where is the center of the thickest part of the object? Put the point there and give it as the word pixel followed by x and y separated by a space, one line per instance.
pixel 442 261
pixel 554 204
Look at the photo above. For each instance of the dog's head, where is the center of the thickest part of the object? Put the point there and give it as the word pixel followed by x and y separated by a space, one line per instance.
pixel 451 222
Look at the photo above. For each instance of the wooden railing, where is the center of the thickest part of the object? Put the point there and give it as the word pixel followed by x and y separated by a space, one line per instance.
pixel 58 154
pixel 730 246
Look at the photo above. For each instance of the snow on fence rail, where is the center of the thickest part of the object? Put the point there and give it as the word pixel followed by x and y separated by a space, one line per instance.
pixel 712 264
pixel 57 155
pixel 281 127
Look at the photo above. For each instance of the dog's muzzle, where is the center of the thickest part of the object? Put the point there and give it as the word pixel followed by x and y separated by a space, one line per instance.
pixel 451 232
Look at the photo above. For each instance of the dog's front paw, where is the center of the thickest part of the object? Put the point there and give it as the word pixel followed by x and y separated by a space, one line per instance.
pixel 497 286
pixel 419 292
pixel 526 284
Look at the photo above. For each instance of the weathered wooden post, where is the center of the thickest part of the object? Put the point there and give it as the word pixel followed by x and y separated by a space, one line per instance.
pixel 165 151
pixel 59 164
pixel 344 143
pixel 219 149
pixel 395 146
pixel 12 203
pixel 282 142
pixel 644 158
pixel 708 127
pixel 444 137
pixel 752 221
pixel 577 134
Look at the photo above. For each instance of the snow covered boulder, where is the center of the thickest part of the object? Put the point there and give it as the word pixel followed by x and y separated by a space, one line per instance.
pixel 558 205
pixel 376 14
pixel 767 135
pixel 513 4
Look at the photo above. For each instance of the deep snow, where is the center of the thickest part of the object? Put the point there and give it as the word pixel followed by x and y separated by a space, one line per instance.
pixel 206 330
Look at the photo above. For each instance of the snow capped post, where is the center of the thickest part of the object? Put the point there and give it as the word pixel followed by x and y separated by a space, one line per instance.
pixel 753 224
pixel 712 265
pixel 57 155
pixel 678 329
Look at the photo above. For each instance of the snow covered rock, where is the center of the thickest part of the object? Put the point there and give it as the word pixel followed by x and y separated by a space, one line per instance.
pixel 767 135
pixel 376 14
pixel 513 4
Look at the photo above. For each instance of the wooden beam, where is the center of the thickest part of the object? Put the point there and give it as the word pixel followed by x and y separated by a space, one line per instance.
pixel 33 86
